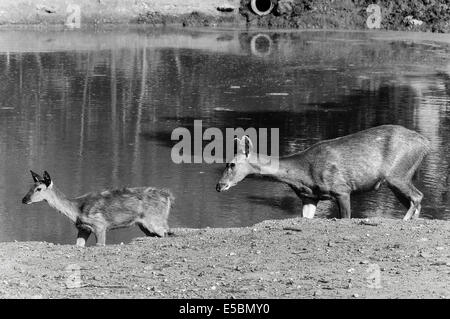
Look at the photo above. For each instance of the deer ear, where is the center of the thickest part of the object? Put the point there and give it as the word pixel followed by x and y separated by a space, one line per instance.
pixel 237 145
pixel 36 177
pixel 247 145
pixel 47 179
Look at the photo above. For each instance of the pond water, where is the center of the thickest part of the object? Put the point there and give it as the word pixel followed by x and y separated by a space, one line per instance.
pixel 96 109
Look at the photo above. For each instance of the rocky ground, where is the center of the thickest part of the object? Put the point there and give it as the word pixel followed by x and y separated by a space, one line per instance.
pixel 293 258
pixel 99 12
pixel 404 15
pixel 417 15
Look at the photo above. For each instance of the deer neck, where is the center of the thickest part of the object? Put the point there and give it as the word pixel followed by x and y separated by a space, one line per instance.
pixel 61 203
pixel 275 168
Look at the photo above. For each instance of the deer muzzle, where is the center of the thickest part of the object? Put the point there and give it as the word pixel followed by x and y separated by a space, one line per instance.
pixel 26 200
pixel 221 187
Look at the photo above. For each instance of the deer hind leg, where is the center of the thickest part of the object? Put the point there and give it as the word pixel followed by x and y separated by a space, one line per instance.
pixel 408 195
pixel 82 237
pixel 416 203
pixel 309 207
pixel 401 184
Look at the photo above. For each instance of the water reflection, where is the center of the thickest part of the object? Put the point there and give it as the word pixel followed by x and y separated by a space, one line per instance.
pixel 96 109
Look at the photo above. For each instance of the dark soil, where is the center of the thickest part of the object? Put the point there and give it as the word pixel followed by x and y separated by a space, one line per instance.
pixel 194 19
pixel 293 14
pixel 351 14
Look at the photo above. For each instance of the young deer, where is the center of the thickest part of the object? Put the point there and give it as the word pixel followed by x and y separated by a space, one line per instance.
pixel 98 212
pixel 333 169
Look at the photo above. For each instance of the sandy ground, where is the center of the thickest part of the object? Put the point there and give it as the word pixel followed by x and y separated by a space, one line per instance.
pixel 294 258
pixel 56 12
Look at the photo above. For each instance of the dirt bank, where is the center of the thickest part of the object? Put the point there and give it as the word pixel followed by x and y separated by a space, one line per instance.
pixel 404 15
pixel 294 258
pixel 417 15
pixel 56 12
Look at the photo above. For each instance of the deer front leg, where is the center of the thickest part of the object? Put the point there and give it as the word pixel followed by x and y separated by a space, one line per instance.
pixel 82 237
pixel 309 207
pixel 344 205
pixel 101 236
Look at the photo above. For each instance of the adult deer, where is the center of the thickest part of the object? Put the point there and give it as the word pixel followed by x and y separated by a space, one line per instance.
pixel 333 169
pixel 98 212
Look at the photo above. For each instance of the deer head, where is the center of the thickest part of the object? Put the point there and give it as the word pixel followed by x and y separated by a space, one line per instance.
pixel 239 167
pixel 39 190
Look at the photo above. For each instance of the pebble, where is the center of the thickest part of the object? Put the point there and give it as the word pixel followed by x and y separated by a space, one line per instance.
pixel 425 255
pixel 317 293
pixel 355 296
pixel 364 262
pixel 440 263
pixel 351 237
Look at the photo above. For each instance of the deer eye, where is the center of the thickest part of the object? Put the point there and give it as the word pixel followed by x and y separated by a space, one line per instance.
pixel 38 189
pixel 232 165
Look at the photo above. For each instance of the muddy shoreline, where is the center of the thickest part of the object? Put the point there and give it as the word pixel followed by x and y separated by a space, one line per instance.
pixel 292 258
pixel 418 15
